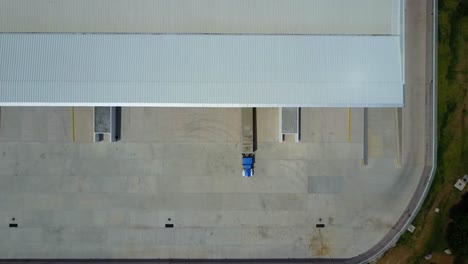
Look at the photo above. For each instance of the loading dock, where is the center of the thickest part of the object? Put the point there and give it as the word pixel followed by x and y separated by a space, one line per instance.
pixel 290 123
pixel 106 121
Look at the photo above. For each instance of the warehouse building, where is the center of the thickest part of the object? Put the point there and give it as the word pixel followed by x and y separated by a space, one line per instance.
pixel 338 55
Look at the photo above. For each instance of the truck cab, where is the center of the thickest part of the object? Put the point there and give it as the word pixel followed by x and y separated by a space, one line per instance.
pixel 247 165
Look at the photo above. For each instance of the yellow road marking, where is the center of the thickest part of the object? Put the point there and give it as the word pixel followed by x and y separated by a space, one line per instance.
pixel 349 125
pixel 73 124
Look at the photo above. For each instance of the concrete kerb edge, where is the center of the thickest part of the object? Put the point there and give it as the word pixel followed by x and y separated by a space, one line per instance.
pixel 426 179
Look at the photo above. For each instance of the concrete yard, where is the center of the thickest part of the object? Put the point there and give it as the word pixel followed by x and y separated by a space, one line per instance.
pixel 182 166
pixel 113 200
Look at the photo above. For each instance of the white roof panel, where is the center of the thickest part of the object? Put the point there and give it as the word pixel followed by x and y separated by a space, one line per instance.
pixel 202 16
pixel 200 70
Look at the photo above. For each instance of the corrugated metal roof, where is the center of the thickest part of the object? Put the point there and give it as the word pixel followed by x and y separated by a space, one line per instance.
pixel 202 16
pixel 200 70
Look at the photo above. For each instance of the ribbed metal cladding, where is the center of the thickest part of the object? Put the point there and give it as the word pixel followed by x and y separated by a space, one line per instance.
pixel 200 70
pixel 358 17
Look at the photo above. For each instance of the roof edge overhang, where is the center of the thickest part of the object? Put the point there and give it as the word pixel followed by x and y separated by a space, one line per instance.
pixel 201 70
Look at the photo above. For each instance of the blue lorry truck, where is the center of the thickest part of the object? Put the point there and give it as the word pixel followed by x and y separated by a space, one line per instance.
pixel 248 142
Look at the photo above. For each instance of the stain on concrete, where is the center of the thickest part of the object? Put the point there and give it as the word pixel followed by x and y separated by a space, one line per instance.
pixel 53 235
pixel 263 232
pixel 318 245
pixel 378 224
pixel 263 203
pixel 219 218
pixel 138 226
